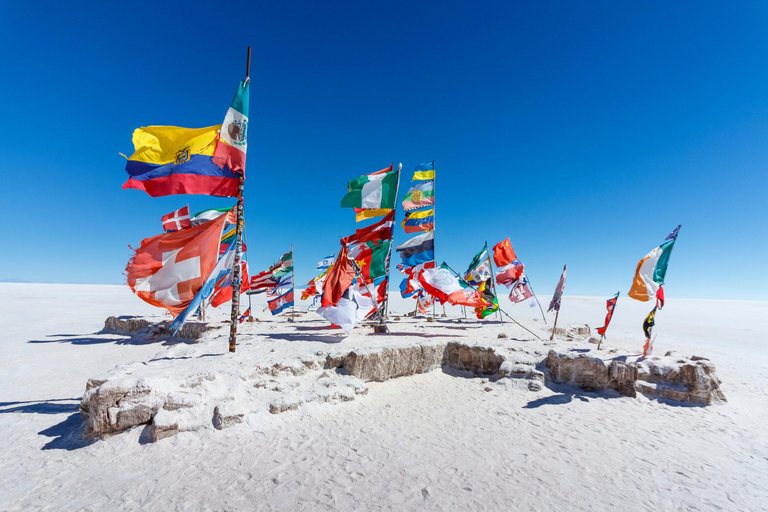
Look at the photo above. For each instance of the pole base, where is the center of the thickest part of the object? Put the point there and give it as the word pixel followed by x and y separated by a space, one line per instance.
pixel 380 329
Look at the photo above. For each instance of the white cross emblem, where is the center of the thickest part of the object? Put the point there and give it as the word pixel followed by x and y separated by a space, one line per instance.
pixel 165 281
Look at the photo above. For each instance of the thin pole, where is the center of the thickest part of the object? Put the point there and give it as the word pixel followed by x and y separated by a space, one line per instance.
pixel 537 300
pixel 391 239
pixel 373 297
pixel 239 246
pixel 434 225
pixel 293 286
pixel 508 315
pixel 555 326
pixel 493 282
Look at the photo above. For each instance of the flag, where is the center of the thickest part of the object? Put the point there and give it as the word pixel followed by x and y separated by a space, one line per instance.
pixel 521 291
pixel 338 279
pixel 648 324
pixel 233 137
pixel 206 215
pixel 371 257
pixel 554 304
pixel 510 273
pixel 168 270
pixel 673 234
pixel 282 302
pixel 491 302
pixel 648 347
pixel 244 315
pixel 381 230
pixel 610 305
pixel 424 302
pixel 419 195
pixel 223 290
pixel 220 271
pixel 424 171
pixel 281 283
pixel 442 284
pixel 415 222
pixel 410 286
pixel 503 253
pixel 418 249
pixel 350 309
pixel 325 263
pixel 284 266
pixel 263 280
pixel 177 220
pixel 651 271
pixel 479 269
pixel 369 213
pixel 377 190
pixel 660 297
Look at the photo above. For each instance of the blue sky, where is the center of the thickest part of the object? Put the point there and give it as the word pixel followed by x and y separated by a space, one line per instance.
pixel 584 131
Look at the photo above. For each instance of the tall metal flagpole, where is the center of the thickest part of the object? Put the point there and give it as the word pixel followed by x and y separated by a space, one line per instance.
pixel 239 247
pixel 434 224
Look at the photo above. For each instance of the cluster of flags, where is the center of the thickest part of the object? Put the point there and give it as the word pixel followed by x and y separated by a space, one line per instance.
pixel 192 261
pixel 277 283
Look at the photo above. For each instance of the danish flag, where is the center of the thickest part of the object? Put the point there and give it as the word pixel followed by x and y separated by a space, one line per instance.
pixel 169 269
pixel 177 220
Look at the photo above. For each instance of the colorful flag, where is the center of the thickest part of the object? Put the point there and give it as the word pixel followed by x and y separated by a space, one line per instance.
pixel 422 220
pixel 648 324
pixel 233 136
pixel 424 171
pixel 673 234
pixel 262 281
pixel 381 230
pixel 491 302
pixel 510 273
pixel 168 270
pixel 177 220
pixel 223 290
pixel 350 309
pixel 371 257
pixel 442 284
pixel 479 268
pixel 245 315
pixel 284 266
pixel 503 253
pixel 377 190
pixel 651 271
pixel 554 304
pixel 610 305
pixel 418 249
pixel 648 347
pixel 325 263
pixel 369 213
pixel 282 302
pixel 219 272
pixel 281 283
pixel 660 297
pixel 206 215
pixel 419 195
pixel 521 291
pixel 338 279
pixel 424 303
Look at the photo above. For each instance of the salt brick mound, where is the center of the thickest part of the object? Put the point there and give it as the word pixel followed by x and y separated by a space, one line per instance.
pixel 202 386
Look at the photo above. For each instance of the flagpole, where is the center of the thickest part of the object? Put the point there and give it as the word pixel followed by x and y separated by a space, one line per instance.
pixel 293 285
pixel 493 281
pixel 239 246
pixel 508 315
pixel 391 240
pixel 359 273
pixel 609 320
pixel 434 224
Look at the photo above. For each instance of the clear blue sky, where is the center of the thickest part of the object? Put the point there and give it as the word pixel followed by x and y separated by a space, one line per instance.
pixel 585 131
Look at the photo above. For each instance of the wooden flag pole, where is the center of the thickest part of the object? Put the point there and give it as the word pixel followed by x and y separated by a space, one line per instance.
pixel 389 252
pixel 239 246
pixel 293 286
pixel 555 326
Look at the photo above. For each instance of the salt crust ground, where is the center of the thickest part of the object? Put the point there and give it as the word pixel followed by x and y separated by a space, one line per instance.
pixel 430 441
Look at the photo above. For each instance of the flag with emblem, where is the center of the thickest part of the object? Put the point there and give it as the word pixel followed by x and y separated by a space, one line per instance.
pixel 371 257
pixel 281 302
pixel 232 144
pixel 168 270
pixel 442 284
pixel 177 220
pixel 377 190
pixel 418 221
pixel 419 195
pixel 479 269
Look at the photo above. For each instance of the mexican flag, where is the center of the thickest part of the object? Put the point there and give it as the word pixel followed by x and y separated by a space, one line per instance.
pixel 377 190
pixel 651 271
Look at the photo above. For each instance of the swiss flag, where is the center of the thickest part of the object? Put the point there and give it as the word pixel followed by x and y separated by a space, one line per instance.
pixel 169 269
pixel 177 220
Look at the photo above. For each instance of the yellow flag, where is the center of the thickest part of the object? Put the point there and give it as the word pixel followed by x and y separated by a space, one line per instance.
pixel 369 213
pixel 424 175
pixel 162 145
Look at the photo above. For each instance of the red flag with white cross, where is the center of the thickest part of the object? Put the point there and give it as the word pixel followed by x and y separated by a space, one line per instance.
pixel 169 269
pixel 174 221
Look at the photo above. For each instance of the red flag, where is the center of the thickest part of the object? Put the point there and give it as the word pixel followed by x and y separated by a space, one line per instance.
pixel 168 270
pixel 503 253
pixel 660 297
pixel 263 280
pixel 381 230
pixel 339 278
pixel 610 304
pixel 223 293
pixel 174 221
pixel 508 274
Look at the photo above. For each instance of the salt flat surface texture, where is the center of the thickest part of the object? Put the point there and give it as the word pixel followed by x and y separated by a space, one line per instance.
pixel 430 442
